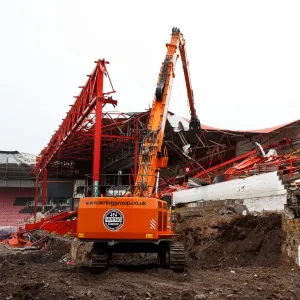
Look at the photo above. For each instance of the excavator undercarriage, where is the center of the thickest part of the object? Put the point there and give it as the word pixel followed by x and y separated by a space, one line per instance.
pixel 170 254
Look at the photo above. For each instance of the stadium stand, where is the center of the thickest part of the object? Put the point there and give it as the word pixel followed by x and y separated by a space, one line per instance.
pixel 12 201
pixel 16 187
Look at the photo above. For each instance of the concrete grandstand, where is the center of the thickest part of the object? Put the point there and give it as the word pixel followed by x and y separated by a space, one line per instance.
pixel 16 186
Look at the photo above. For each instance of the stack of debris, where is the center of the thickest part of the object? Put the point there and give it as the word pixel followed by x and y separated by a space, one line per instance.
pixel 24 240
pixel 293 197
pixel 6 231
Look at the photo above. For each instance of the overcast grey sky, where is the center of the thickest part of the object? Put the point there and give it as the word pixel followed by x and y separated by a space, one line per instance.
pixel 244 60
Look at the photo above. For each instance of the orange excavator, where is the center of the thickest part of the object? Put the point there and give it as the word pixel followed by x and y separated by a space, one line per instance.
pixel 137 221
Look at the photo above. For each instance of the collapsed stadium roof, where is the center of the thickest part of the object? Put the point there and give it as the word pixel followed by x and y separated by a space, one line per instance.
pixel 118 139
pixel 15 165
pixel 119 132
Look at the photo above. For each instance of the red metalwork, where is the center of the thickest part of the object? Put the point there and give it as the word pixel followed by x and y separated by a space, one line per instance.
pixel 218 169
pixel 80 115
pixel 226 163
pixel 44 190
pixel 117 129
pixel 36 196
pixel 258 165
pixel 97 145
pixel 23 240
pixel 63 216
pixel 98 123
pixel 87 129
pixel 61 227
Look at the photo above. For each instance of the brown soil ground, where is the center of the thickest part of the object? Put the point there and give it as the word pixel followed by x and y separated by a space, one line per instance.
pixel 228 257
pixel 234 240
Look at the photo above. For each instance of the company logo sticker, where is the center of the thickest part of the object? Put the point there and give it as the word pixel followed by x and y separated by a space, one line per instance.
pixel 113 219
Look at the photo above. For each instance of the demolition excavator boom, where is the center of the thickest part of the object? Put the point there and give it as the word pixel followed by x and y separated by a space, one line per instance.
pixel 152 156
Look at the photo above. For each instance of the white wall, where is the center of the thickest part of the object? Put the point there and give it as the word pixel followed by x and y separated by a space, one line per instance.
pixel 261 192
pixel 269 203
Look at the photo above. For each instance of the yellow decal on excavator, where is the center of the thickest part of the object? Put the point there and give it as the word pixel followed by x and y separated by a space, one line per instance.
pixel 149 235
pixel 80 235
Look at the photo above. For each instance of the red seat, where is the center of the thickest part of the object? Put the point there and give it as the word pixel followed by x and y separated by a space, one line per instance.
pixel 9 214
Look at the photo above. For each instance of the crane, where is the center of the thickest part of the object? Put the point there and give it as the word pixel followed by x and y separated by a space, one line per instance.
pixel 140 221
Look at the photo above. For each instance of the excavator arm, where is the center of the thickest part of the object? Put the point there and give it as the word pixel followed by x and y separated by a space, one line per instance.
pixel 152 156
pixel 194 122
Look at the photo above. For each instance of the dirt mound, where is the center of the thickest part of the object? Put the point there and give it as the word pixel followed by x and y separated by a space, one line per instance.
pixel 233 241
pixel 43 281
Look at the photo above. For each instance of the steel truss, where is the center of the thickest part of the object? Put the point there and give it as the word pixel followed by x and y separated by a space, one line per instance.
pixel 216 150
pixel 87 132
pixel 286 140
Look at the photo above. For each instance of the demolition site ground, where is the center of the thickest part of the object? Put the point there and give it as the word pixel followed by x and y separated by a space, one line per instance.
pixel 228 257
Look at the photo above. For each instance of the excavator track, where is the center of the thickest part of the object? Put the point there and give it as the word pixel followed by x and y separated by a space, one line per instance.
pixel 177 257
pixel 100 259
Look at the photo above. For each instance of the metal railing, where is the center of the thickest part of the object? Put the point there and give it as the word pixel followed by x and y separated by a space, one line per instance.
pixel 286 165
pixel 48 203
pixel 116 185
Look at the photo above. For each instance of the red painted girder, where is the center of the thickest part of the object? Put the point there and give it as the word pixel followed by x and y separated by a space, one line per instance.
pixel 109 136
pixel 83 105
pixel 83 144
pixel 235 159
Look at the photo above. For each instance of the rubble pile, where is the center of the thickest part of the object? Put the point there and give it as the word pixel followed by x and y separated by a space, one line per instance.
pixel 233 240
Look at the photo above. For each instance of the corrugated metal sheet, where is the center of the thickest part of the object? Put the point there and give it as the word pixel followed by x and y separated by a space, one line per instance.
pixel 16 165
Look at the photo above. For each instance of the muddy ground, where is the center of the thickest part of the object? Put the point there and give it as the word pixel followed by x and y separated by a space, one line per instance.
pixel 228 257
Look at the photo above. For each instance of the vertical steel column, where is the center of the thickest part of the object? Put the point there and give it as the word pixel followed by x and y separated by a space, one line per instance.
pixel 98 128
pixel 36 197
pixel 44 191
